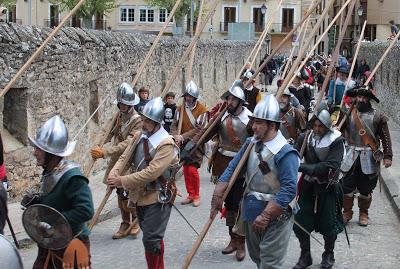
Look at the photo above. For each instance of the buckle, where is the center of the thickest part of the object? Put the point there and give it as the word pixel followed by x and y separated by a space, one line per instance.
pixel 362 132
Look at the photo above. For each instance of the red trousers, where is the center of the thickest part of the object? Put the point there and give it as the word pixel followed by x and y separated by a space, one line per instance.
pixel 192 181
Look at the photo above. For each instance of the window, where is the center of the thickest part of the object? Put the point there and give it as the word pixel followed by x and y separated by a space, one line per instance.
pixel 258 19
pixel 146 15
pixel 127 14
pixel 287 19
pixel 229 16
pixel 163 15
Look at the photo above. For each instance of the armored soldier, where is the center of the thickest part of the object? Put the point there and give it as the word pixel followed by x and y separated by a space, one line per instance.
pixel 302 91
pixel 128 121
pixel 293 119
pixel 62 186
pixel 320 193
pixel 194 118
pixel 365 129
pixel 151 184
pixel 231 132
pixel 252 93
pixel 271 176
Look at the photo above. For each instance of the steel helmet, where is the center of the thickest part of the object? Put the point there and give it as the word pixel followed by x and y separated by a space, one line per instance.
pixel 154 110
pixel 52 137
pixel 126 95
pixel 192 90
pixel 267 109
pixel 324 117
pixel 236 90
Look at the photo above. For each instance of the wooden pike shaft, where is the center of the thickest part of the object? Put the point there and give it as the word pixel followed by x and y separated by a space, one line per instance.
pixel 188 50
pixel 40 49
pixel 155 42
pixel 319 40
pixel 207 226
pixel 100 209
pixel 335 54
pixel 280 45
pixel 302 51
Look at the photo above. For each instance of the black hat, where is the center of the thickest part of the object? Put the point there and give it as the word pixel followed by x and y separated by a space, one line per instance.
pixel 362 91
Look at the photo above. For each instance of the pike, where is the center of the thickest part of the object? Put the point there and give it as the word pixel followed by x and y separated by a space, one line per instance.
pixel 185 219
pixel 12 232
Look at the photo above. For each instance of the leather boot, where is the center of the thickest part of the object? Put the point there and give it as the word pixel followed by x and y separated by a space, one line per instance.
pixel 240 247
pixel 231 247
pixel 348 202
pixel 136 228
pixel 305 259
pixel 126 220
pixel 364 202
pixel 328 258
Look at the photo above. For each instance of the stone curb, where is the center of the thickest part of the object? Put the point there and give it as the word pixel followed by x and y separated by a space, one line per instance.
pixel 391 189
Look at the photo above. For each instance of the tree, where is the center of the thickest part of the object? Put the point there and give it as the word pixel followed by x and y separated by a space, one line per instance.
pixel 181 12
pixel 8 3
pixel 87 10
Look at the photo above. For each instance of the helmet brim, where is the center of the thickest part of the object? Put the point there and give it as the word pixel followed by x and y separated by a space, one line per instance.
pixel 66 152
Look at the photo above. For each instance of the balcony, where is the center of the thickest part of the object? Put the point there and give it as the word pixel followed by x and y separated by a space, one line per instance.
pixel 280 28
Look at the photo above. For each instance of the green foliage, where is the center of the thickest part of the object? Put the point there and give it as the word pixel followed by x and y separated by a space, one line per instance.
pixel 8 3
pixel 184 7
pixel 89 8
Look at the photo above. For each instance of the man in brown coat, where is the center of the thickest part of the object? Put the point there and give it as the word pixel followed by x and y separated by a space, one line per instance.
pixel 151 184
pixel 128 121
pixel 194 118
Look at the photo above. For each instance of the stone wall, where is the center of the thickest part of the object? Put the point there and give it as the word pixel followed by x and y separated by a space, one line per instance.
pixel 387 78
pixel 80 67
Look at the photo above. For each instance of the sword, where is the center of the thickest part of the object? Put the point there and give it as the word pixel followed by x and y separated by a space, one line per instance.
pixel 304 230
pixel 190 225
pixel 12 232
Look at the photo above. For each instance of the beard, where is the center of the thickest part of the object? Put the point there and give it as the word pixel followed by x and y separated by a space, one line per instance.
pixel 363 106
pixel 231 109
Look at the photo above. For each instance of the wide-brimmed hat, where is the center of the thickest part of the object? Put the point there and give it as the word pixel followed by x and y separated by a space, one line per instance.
pixel 343 69
pixel 362 91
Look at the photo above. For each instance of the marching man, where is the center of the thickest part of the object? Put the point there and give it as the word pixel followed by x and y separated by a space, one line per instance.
pixel 151 184
pixel 271 176
pixel 128 121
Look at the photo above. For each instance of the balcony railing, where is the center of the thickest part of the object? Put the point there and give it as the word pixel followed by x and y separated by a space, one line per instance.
pixel 281 28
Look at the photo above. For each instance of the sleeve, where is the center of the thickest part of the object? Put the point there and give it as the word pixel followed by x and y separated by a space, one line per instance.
pixel 201 123
pixel 175 122
pixel 118 169
pixel 333 161
pixel 330 92
pixel 288 166
pixel 80 198
pixel 384 135
pixel 201 132
pixel 121 146
pixel 227 174
pixel 161 161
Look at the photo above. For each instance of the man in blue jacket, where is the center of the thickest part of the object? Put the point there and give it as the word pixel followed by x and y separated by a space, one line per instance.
pixel 271 176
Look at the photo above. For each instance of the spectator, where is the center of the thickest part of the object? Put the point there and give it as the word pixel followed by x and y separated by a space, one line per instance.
pixel 144 95
pixel 170 108
pixel 393 29
pixel 362 68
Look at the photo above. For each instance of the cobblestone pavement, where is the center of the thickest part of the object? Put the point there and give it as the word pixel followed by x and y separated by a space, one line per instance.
pixel 375 246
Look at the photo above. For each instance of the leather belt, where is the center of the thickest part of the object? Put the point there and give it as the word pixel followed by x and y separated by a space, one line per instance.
pixel 360 148
pixel 262 196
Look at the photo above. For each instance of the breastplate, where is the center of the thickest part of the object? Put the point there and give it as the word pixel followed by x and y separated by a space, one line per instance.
pixel 289 118
pixel 256 181
pixel 50 180
pixel 367 120
pixel 239 129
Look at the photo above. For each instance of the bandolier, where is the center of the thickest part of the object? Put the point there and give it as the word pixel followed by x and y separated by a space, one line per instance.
pixel 128 122
pixel 365 130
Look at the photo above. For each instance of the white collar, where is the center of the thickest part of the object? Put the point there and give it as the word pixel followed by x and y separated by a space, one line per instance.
pixel 243 116
pixel 326 140
pixel 250 88
pixel 156 138
pixel 276 144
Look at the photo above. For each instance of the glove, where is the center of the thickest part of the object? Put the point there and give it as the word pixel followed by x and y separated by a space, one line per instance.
pixel 270 213
pixel 216 200
pixel 306 169
pixel 30 198
pixel 97 152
